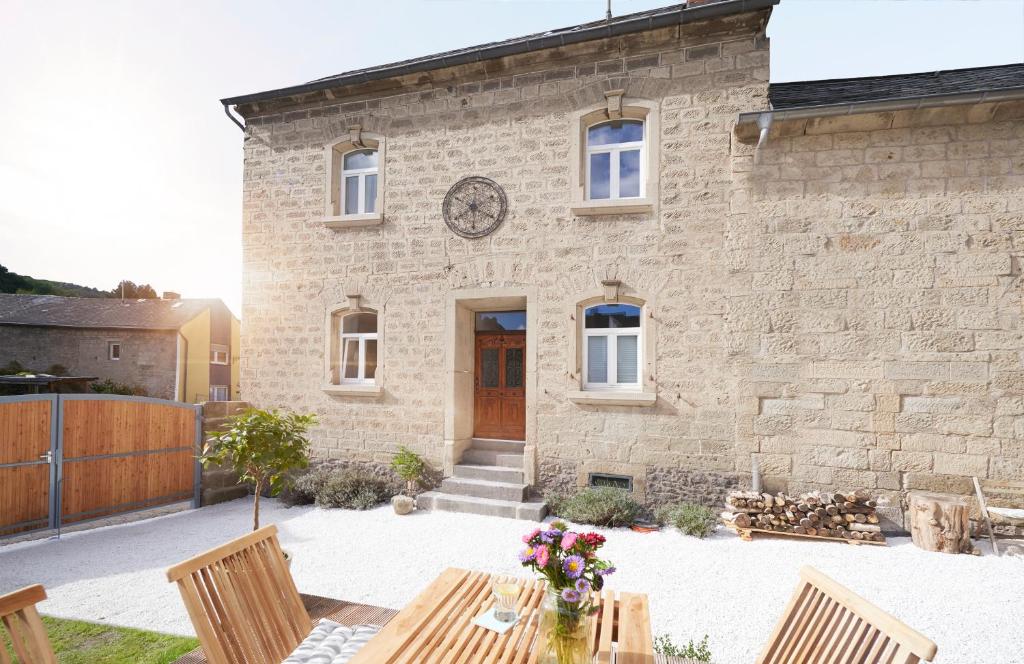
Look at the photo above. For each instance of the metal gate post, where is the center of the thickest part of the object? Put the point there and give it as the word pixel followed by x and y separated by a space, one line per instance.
pixel 198 447
pixel 55 471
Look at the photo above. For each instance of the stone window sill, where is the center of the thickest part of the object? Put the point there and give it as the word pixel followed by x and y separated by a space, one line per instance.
pixel 355 390
pixel 612 207
pixel 353 221
pixel 613 398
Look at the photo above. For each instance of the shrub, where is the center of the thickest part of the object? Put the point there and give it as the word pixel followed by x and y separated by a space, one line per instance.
pixel 600 506
pixel 112 387
pixel 304 488
pixel 694 652
pixel 409 467
pixel 353 489
pixel 690 519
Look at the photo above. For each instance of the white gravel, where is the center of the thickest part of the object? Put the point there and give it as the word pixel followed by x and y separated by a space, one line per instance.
pixel 731 590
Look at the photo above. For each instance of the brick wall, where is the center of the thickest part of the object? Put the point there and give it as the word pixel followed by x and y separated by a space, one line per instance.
pixel 148 358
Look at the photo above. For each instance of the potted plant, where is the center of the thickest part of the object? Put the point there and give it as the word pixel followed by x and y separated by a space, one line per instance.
pixel 409 467
pixel 262 447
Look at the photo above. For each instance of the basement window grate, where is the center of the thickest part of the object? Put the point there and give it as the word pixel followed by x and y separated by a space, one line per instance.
pixel 614 481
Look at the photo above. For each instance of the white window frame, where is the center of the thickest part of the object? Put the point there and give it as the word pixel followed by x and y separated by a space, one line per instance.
pixel 213 392
pixel 110 350
pixel 220 349
pixel 361 338
pixel 613 333
pixel 361 173
pixel 614 167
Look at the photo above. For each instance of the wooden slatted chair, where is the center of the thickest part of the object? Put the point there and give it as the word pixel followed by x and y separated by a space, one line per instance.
pixel 825 623
pixel 242 600
pixel 24 627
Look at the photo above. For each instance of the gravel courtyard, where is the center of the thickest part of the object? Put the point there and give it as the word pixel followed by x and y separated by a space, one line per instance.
pixel 731 590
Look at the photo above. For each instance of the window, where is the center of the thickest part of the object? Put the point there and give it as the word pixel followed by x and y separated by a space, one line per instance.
pixel 615 160
pixel 219 393
pixel 358 348
pixel 614 481
pixel 114 350
pixel 359 182
pixel 218 354
pixel 612 347
pixel 500 321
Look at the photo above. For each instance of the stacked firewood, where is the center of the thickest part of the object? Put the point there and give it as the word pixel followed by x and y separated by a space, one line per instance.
pixel 817 514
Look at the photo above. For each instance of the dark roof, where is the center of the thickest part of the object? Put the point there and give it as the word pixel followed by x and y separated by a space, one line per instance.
pixel 618 25
pixel 43 379
pixel 95 312
pixel 876 88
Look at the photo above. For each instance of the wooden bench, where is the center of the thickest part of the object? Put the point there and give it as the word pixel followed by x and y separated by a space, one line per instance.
pixel 826 622
pixel 24 627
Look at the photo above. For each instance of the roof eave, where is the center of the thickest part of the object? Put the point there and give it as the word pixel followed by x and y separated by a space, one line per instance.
pixel 563 38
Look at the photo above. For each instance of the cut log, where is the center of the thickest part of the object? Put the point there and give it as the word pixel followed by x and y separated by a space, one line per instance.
pixel 940 522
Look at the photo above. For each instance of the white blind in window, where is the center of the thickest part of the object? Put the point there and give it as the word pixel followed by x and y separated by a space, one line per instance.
pixel 597 359
pixel 626 361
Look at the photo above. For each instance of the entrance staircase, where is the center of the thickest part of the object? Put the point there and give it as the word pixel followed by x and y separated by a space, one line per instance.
pixel 489 480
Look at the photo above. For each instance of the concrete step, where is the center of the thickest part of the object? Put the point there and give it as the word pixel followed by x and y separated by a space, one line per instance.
pixel 491 473
pixel 505 446
pixel 436 500
pixel 492 458
pixel 463 486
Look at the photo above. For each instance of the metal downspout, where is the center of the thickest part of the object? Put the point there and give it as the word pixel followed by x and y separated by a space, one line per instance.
pixel 227 112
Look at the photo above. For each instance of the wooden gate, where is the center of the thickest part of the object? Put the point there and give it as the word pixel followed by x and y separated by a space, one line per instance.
pixel 69 458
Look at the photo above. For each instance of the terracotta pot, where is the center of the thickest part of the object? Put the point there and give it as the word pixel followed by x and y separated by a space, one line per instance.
pixel 403 504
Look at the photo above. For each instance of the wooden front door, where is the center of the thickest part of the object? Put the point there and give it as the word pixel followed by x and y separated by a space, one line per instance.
pixel 500 380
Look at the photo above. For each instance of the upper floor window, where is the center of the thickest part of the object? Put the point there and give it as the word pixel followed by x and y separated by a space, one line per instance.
pixel 615 160
pixel 612 347
pixel 358 347
pixel 359 182
pixel 218 354
pixel 114 350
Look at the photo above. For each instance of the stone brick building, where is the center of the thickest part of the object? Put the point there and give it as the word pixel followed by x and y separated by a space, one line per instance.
pixel 682 270
pixel 184 350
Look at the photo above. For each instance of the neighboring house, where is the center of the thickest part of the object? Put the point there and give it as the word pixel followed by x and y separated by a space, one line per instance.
pixel 186 350
pixel 673 294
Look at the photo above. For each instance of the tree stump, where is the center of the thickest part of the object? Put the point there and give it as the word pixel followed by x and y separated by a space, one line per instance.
pixel 940 522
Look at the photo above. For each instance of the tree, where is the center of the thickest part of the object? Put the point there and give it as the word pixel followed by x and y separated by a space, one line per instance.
pixel 133 291
pixel 262 447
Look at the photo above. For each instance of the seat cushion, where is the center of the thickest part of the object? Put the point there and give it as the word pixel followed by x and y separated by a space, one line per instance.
pixel 331 643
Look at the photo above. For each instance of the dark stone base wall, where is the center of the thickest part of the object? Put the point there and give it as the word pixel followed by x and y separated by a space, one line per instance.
pixel 664 485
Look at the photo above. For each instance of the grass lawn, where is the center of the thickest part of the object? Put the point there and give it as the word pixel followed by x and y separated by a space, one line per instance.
pixel 78 642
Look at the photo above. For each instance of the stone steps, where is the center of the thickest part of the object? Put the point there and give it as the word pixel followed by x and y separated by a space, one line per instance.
pixel 489 481
pixel 509 509
pixel 463 486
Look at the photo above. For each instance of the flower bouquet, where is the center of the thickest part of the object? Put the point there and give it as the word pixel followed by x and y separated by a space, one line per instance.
pixel 574 573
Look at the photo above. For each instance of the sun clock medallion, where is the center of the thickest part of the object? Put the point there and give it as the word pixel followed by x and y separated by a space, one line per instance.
pixel 474 206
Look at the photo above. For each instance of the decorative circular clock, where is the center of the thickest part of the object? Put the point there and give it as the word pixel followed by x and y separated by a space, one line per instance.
pixel 474 206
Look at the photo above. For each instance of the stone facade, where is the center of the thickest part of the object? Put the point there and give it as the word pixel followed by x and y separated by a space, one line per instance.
pixel 846 310
pixel 148 357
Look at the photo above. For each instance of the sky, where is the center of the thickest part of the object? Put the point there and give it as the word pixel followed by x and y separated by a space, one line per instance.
pixel 117 162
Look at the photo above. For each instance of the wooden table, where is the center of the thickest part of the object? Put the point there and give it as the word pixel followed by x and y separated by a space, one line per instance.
pixel 436 627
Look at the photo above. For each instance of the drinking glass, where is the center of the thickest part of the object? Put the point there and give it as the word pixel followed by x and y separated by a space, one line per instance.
pixel 505 595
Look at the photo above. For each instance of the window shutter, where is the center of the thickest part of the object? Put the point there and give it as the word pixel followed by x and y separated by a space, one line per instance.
pixel 626 362
pixel 597 359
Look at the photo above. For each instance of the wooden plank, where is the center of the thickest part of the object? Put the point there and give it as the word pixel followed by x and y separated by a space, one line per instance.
pixel 404 626
pixel 635 644
pixel 746 535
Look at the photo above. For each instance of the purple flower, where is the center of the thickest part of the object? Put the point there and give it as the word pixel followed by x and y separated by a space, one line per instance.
pixel 582 585
pixel 570 595
pixel 606 571
pixel 550 536
pixel 527 554
pixel 573 566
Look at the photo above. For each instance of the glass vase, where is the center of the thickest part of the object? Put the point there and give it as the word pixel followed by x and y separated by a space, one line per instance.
pixel 565 627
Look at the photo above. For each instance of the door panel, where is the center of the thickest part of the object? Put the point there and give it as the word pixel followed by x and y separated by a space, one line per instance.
pixel 25 440
pixel 500 402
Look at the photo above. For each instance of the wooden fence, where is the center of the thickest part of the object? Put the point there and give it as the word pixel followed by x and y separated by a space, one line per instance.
pixel 68 458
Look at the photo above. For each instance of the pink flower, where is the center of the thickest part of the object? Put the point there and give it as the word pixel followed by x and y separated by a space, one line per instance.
pixel 527 538
pixel 542 556
pixel 568 540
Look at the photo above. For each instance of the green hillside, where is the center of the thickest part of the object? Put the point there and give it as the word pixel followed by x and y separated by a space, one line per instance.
pixel 12 282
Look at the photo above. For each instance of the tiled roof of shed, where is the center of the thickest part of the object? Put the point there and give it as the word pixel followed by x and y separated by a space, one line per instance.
pixel 876 88
pixel 55 311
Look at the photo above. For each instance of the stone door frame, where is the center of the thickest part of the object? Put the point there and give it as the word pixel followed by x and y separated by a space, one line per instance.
pixel 461 306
